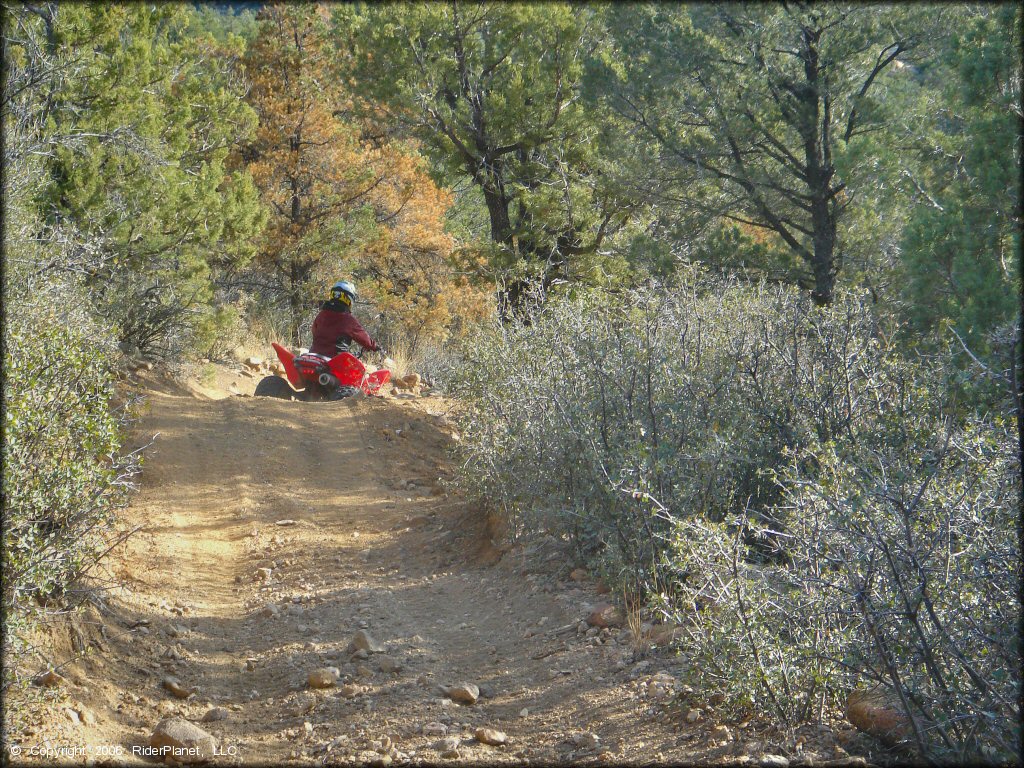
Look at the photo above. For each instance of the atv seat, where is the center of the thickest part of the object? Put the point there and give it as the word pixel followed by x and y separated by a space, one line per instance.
pixel 312 357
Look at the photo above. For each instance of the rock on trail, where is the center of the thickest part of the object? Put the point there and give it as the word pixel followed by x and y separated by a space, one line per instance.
pixel 464 693
pixel 324 678
pixel 490 736
pixel 363 641
pixel 182 741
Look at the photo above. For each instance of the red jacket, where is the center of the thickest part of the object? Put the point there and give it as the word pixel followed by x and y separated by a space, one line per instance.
pixel 330 325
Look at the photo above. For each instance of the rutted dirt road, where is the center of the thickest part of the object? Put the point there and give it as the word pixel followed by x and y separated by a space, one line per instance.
pixel 272 531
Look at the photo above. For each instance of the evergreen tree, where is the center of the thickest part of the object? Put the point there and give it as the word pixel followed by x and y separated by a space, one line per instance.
pixel 762 113
pixel 137 125
pixel 223 23
pixel 494 91
pixel 343 196
pixel 962 245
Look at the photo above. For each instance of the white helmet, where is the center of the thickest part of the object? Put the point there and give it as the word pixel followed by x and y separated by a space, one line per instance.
pixel 344 291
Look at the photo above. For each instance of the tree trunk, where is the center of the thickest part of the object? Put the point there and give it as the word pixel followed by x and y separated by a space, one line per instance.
pixel 1017 381
pixel 823 266
pixel 815 130
pixel 299 275
pixel 512 296
pixel 497 209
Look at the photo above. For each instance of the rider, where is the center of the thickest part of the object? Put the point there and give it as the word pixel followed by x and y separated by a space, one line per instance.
pixel 335 328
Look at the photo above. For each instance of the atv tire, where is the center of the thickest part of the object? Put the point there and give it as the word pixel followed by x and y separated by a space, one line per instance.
pixel 340 393
pixel 275 386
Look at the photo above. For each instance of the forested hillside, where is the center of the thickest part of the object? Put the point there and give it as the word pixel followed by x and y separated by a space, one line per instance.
pixel 728 296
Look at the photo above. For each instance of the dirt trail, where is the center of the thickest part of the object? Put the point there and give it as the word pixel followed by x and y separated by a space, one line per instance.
pixel 344 504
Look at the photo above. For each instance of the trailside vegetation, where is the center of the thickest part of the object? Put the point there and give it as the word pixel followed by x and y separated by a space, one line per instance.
pixel 494 92
pixel 808 502
pixel 344 197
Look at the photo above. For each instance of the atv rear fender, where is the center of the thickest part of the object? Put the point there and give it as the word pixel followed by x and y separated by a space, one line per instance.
pixel 288 361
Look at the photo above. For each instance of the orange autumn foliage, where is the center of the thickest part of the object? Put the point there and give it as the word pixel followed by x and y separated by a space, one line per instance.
pixel 413 277
pixel 759 235
pixel 343 204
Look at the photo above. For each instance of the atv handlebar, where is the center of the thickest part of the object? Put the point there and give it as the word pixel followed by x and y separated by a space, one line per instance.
pixel 361 351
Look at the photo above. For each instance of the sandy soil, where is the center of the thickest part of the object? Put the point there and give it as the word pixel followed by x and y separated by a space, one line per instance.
pixel 346 505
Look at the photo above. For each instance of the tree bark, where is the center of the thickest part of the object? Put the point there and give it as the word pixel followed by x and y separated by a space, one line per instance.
pixel 299 273
pixel 824 264
pixel 820 172
pixel 497 209
pixel 512 297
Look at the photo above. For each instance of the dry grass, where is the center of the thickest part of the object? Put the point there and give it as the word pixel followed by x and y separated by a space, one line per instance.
pixel 399 360
pixel 633 607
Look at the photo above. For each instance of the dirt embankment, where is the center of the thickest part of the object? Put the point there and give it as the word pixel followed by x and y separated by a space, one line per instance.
pixel 272 532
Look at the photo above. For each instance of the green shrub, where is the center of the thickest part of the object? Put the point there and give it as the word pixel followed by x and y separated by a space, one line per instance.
pixel 689 396
pixel 907 536
pixel 64 471
pixel 806 498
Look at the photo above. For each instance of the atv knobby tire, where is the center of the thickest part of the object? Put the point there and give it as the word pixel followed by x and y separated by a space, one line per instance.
pixel 342 392
pixel 275 386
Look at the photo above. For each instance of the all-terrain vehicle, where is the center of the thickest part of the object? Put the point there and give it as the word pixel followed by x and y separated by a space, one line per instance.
pixel 316 377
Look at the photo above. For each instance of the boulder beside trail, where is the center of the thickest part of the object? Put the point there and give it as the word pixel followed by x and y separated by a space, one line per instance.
pixel 879 715
pixel 185 741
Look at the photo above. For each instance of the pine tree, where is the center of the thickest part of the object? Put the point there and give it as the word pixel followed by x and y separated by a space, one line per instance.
pixel 763 115
pixel 342 196
pixel 961 245
pixel 494 92
pixel 137 127
pixel 961 248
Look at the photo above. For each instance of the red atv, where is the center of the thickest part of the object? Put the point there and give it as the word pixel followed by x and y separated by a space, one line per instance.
pixel 316 377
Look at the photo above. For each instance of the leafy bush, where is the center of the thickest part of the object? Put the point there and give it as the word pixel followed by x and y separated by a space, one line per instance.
pixel 907 536
pixel 64 474
pixel 686 396
pixel 902 570
pixel 129 120
pixel 807 500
